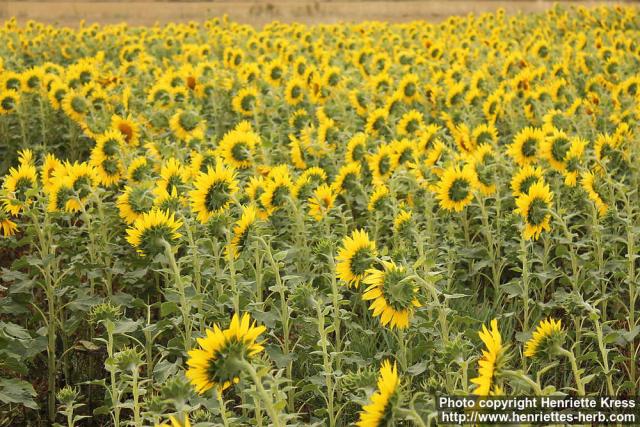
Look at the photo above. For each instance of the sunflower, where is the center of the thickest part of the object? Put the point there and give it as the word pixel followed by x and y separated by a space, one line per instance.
pixel 589 183
pixel 393 292
pixel 378 198
pixel 213 192
pixel 379 411
pixel 62 196
pixel 274 72
pixel 139 169
pixel 216 363
pixel 238 145
pixel 294 91
pixel 18 183
pixel 241 230
pixel 376 121
pixel 347 177
pixel 359 102
pixel 321 202
pixel 409 88
pixel 245 102
pixel 382 163
pixel 170 202
pixel 525 146
pixel 411 123
pixel 149 232
pixel 75 106
pixel 49 167
pixel 573 160
pixel 187 125
pixel 174 174
pixel 534 207
pixel 135 201
pixel 405 151
pixel 545 338
pixel 7 227
pixel 108 169
pixel 128 127
pixel 455 188
pixel 491 362
pixel 554 148
pixel 355 257
pixel 482 162
pixel 356 148
pixel 525 178
pixel 9 100
pixel 176 423
pixel 277 190
pixel 402 220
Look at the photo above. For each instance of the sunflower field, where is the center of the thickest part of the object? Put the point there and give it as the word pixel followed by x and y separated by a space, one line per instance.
pixel 209 223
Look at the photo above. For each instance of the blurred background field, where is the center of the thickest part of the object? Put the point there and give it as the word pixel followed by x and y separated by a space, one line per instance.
pixel 259 12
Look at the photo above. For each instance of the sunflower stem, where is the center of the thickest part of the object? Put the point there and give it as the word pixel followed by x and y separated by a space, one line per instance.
pixel 262 393
pixel 185 307
pixel 574 367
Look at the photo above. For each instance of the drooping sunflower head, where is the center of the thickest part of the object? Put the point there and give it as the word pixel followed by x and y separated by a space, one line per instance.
pixel 455 189
pixel 534 207
pixel 380 410
pixel 492 361
pixel 151 230
pixel 545 340
pixel 355 257
pixel 213 192
pixel 393 294
pixel 218 362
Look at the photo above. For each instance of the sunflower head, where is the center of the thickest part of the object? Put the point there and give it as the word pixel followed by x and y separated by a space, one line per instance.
pixel 217 363
pixel 151 230
pixel 534 207
pixel 393 294
pixel 455 189
pixel 355 257
pixel 545 340
pixel 491 363
pixel 380 410
pixel 213 193
pixel 321 202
